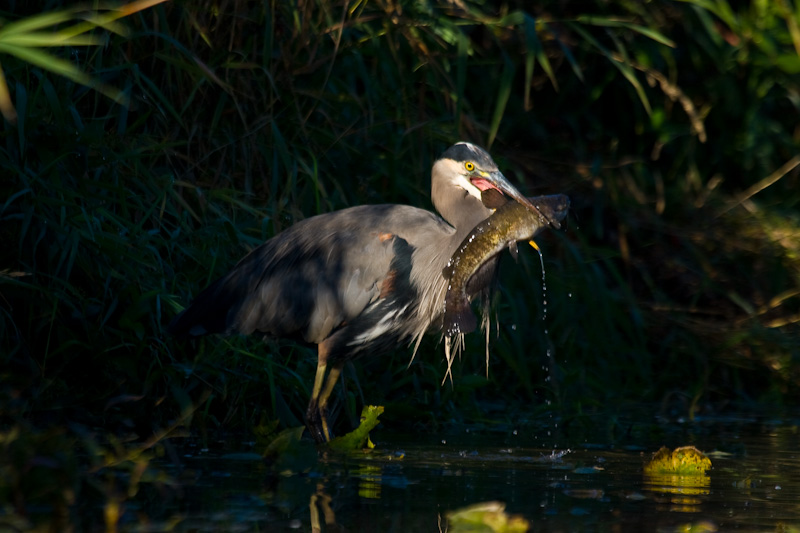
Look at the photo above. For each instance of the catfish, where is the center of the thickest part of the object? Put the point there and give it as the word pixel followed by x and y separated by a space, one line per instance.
pixel 511 222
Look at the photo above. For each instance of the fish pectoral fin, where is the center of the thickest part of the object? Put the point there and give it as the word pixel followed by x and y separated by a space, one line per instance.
pixel 458 318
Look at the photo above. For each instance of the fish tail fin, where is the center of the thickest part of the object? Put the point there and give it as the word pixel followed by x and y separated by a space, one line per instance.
pixel 459 318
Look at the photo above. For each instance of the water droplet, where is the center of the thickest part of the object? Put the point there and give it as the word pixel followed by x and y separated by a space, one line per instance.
pixel 544 286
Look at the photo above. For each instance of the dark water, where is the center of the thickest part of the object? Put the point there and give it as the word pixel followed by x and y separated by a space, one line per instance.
pixel 410 481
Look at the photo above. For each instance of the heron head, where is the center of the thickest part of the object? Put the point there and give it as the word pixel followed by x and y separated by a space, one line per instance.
pixel 470 168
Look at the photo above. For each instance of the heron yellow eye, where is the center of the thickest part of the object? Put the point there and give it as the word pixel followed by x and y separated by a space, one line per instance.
pixel 470 166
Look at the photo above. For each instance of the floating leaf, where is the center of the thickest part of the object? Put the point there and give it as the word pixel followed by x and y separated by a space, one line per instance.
pixel 683 461
pixel 359 437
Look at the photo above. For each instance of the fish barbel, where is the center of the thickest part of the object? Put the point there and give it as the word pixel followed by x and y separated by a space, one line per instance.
pixel 510 223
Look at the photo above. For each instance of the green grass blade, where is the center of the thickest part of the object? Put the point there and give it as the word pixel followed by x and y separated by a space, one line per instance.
pixel 720 8
pixel 97 21
pixel 51 39
pixel 576 69
pixel 614 23
pixel 64 68
pixel 535 50
pixel 36 22
pixel 626 70
pixel 48 62
pixel 504 91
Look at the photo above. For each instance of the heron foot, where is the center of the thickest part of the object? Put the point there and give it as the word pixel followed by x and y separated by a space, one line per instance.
pixel 317 423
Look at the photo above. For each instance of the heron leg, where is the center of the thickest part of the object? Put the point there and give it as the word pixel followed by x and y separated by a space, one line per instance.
pixel 314 416
pixel 330 383
pixel 317 412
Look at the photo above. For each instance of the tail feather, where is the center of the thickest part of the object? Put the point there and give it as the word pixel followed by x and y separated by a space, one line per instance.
pixel 207 314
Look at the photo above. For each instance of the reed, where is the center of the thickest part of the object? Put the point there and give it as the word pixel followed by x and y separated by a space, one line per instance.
pixel 672 129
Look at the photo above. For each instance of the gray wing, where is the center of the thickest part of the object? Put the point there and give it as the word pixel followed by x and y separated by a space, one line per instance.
pixel 310 279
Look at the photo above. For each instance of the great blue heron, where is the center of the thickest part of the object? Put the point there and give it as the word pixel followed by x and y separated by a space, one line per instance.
pixel 356 281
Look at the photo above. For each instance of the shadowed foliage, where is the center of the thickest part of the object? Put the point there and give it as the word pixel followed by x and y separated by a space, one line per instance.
pixel 672 127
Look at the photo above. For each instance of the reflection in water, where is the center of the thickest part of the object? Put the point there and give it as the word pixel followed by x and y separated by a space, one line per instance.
pixel 369 485
pixel 321 501
pixel 485 516
pixel 409 482
pixel 684 491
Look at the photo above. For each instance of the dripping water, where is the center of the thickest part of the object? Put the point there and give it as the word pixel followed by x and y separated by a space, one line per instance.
pixel 549 366
pixel 544 287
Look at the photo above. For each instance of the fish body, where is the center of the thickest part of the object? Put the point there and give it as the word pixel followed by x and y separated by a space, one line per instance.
pixel 510 223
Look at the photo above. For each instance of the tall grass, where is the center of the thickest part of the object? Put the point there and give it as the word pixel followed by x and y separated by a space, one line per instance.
pixel 672 128
pixel 674 287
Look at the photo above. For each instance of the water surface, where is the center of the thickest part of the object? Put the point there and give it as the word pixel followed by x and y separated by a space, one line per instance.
pixel 410 481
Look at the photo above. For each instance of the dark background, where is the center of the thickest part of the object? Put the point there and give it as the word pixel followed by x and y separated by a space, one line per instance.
pixel 672 126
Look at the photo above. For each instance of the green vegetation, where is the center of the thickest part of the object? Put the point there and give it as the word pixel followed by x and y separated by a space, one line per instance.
pixel 488 517
pixel 672 126
pixel 359 437
pixel 683 461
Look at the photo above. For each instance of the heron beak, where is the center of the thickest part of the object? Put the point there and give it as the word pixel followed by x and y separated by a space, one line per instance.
pixel 498 181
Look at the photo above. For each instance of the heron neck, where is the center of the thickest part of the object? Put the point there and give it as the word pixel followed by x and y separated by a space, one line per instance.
pixel 462 213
